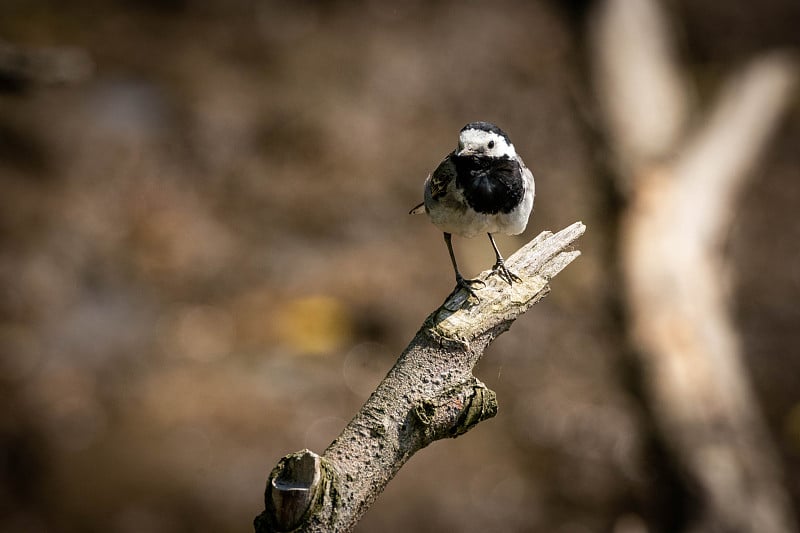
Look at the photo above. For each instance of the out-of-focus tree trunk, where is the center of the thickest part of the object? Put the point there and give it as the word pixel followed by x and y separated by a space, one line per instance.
pixel 683 186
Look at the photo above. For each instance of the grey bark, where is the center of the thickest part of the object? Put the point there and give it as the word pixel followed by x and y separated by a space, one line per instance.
pixel 429 394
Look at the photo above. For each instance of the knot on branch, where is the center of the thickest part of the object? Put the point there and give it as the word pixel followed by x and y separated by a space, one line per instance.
pixel 295 488
pixel 456 410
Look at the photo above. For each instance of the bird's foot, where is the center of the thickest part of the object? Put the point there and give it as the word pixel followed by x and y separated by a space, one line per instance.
pixel 505 274
pixel 467 285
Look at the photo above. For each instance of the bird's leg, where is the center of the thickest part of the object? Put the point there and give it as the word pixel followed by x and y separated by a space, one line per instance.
pixel 500 268
pixel 461 282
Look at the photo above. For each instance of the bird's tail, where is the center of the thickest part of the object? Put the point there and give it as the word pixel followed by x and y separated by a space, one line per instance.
pixel 418 210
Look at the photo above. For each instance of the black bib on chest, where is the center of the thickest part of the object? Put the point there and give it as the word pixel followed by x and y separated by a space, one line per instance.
pixel 491 185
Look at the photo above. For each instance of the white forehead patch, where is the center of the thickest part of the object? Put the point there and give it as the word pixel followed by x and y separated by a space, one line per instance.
pixel 480 138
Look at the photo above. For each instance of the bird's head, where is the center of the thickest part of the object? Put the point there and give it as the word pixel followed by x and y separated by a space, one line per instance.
pixel 483 139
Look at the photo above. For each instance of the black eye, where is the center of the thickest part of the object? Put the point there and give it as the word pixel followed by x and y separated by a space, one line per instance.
pixel 491 144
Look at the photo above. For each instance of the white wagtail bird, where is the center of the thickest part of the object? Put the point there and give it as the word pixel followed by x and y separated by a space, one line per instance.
pixel 481 187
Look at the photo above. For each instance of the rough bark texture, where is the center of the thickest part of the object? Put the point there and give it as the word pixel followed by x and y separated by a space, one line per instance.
pixel 429 394
pixel 683 187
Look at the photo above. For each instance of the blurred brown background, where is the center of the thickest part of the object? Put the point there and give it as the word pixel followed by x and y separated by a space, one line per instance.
pixel 207 261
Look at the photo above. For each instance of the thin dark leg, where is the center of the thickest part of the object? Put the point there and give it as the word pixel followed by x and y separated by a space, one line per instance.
pixel 460 281
pixel 500 266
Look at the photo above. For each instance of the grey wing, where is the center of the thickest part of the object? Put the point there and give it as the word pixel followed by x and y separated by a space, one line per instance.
pixel 527 177
pixel 441 178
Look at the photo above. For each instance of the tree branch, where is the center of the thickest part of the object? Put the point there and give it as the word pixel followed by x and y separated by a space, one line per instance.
pixel 683 180
pixel 429 394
